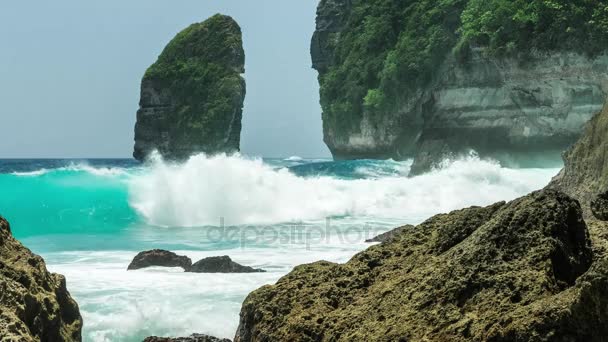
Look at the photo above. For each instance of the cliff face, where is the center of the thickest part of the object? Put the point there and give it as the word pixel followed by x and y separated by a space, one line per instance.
pixel 521 271
pixel 585 174
pixel 35 304
pixel 401 79
pixel 192 97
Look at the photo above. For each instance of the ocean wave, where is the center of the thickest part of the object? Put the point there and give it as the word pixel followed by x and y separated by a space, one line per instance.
pixel 75 167
pixel 247 191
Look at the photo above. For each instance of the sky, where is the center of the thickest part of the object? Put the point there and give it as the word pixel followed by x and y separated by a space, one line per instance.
pixel 70 73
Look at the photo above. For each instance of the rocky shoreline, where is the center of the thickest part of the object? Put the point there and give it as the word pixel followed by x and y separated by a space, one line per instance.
pixel 35 305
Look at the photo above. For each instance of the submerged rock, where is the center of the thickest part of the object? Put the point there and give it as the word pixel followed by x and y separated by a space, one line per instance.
pixel 390 235
pixel 599 207
pixel 35 304
pixel 425 80
pixel 159 257
pixel 518 271
pixel 193 338
pixel 221 264
pixel 192 97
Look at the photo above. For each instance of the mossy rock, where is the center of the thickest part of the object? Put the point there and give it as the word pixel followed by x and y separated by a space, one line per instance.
pixel 192 97
pixel 519 271
pixel 35 304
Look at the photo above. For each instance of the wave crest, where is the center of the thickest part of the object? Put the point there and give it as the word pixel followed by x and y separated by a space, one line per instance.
pixel 247 191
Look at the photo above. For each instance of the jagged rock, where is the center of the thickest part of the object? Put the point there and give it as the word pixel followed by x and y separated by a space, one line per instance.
pixel 599 207
pixel 518 271
pixel 585 173
pixel 193 338
pixel 221 264
pixel 398 81
pixel 390 235
pixel 35 304
pixel 159 257
pixel 192 97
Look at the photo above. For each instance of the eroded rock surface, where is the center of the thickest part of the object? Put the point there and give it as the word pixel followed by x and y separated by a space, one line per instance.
pixel 599 207
pixel 520 271
pixel 585 174
pixel 35 304
pixel 390 235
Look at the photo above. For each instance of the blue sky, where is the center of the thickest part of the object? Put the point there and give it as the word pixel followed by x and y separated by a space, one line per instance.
pixel 70 72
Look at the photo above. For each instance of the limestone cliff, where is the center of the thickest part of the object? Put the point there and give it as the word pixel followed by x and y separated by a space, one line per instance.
pixel 35 304
pixel 528 270
pixel 192 97
pixel 585 174
pixel 423 79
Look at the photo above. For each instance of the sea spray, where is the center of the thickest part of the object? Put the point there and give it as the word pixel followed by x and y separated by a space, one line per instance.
pixel 88 220
pixel 248 191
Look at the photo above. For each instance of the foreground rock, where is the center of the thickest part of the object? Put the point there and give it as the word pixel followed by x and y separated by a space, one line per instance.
pixel 193 338
pixel 585 174
pixel 35 304
pixel 518 271
pixel 599 207
pixel 192 97
pixel 221 264
pixel 390 235
pixel 159 257
pixel 430 81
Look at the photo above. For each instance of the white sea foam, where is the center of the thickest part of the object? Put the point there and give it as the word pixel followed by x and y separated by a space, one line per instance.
pixel 247 191
pixel 121 305
pixel 31 173
pixel 77 167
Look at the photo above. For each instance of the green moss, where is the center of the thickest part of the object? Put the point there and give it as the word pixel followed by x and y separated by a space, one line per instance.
pixel 201 69
pixel 521 271
pixel 390 48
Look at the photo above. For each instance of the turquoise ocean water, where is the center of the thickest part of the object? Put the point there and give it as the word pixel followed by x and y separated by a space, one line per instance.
pixel 88 218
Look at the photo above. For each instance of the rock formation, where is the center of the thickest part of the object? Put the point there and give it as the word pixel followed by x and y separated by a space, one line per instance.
pixel 391 234
pixel 35 304
pixel 221 264
pixel 427 79
pixel 528 270
pixel 193 338
pixel 585 174
pixel 159 257
pixel 599 207
pixel 192 97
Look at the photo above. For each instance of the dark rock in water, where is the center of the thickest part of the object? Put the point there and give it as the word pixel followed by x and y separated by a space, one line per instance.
pixel 193 338
pixel 518 271
pixel 221 264
pixel 585 172
pixel 159 257
pixel 599 206
pixel 390 235
pixel 192 97
pixel 35 304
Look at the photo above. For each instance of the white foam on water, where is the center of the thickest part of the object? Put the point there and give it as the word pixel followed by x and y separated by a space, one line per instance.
pixel 120 305
pixel 247 191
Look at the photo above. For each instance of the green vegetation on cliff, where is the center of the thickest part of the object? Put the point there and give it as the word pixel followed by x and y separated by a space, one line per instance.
pixel 196 83
pixel 389 48
pixel 202 68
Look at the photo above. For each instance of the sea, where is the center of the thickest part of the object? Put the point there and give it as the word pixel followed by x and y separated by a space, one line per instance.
pixel 89 217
